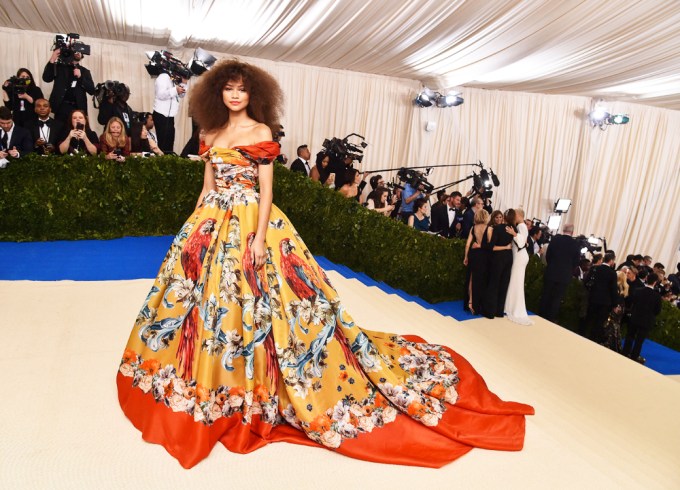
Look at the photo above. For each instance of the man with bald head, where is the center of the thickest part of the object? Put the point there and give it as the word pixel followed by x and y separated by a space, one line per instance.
pixel 562 257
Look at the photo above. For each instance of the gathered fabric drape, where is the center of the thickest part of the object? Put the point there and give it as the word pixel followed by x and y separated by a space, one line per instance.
pixel 624 181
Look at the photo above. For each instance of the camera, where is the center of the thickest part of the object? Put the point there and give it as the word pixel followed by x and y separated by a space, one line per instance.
pixel 80 126
pixel 415 179
pixel 165 62
pixel 69 45
pixel 17 85
pixel 341 149
pixel 110 89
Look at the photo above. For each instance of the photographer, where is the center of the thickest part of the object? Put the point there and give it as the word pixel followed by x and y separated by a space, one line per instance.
pixel 114 103
pixel 165 108
pixel 19 93
pixel 78 137
pixel 114 142
pixel 72 83
pixel 15 141
pixel 44 130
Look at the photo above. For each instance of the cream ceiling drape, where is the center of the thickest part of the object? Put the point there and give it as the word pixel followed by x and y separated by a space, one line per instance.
pixel 615 49
pixel 624 181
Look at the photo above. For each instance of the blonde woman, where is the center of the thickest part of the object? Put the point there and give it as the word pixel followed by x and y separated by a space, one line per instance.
pixel 515 307
pixel 477 260
pixel 114 141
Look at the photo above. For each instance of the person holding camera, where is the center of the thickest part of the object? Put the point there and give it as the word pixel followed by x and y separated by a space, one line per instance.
pixel 114 142
pixel 45 131
pixel 72 83
pixel 165 108
pixel 78 137
pixel 114 104
pixel 15 141
pixel 19 93
pixel 140 143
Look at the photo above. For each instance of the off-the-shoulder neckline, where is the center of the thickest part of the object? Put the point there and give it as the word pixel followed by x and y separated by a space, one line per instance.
pixel 241 146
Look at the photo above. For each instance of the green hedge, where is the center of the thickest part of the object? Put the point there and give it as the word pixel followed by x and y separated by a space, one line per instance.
pixel 65 198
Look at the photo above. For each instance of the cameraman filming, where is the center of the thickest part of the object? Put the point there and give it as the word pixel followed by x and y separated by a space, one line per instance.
pixel 114 104
pixel 165 108
pixel 19 93
pixel 71 82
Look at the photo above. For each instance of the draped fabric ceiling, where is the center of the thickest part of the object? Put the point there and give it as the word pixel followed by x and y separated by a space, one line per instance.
pixel 355 66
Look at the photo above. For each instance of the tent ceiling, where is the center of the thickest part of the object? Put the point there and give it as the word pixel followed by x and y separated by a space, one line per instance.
pixel 615 49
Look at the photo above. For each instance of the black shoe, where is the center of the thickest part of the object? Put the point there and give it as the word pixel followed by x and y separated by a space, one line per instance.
pixel 489 316
pixel 641 360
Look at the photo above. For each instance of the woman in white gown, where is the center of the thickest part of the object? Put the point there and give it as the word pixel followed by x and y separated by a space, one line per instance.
pixel 515 307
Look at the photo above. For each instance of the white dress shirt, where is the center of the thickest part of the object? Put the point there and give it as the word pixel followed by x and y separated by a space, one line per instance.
pixel 167 99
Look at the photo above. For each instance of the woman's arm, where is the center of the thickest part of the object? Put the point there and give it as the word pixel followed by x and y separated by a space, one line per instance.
pixel 467 248
pixel 410 221
pixel 89 145
pixel 208 179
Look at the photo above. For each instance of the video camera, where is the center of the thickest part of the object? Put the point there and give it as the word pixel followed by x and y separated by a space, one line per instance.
pixel 415 179
pixel 69 45
pixel 17 85
pixel 340 149
pixel 110 89
pixel 165 62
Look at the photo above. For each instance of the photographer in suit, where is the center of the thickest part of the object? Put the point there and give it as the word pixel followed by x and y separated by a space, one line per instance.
pixel 15 141
pixel 45 131
pixel 72 83
pixel 114 104
pixel 562 258
pixel 602 298
pixel 301 163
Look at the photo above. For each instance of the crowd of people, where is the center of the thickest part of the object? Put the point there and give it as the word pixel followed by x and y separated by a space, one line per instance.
pixel 61 124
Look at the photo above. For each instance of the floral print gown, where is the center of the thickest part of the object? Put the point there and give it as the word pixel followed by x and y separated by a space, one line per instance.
pixel 223 352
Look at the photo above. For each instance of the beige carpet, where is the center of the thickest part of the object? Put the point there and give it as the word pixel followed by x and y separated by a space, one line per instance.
pixel 601 420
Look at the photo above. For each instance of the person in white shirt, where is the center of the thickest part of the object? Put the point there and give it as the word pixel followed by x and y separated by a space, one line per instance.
pixel 165 107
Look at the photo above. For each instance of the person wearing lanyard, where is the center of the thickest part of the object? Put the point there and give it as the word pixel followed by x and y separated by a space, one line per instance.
pixel 165 107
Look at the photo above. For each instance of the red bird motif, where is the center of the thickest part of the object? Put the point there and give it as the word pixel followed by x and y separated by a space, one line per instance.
pixel 298 274
pixel 255 278
pixel 192 257
pixel 349 355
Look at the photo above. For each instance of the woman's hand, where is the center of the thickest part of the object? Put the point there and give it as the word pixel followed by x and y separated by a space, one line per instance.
pixel 257 253
pixel 77 133
pixel 465 261
pixel 111 156
pixel 511 230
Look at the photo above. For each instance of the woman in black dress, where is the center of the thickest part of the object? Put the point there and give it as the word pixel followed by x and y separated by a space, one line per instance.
pixel 477 259
pixel 500 242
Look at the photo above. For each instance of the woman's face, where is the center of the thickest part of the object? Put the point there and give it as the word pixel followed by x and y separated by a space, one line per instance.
pixel 424 208
pixel 383 197
pixel 115 129
pixel 325 161
pixel 24 74
pixel 357 178
pixel 77 118
pixel 234 95
pixel 144 133
pixel 498 219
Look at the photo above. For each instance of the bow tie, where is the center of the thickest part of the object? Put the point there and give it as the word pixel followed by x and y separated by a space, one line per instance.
pixel 451 210
pixel 45 123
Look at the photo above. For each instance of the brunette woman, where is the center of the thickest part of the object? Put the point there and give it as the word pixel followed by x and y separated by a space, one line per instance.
pixel 500 236
pixel 78 138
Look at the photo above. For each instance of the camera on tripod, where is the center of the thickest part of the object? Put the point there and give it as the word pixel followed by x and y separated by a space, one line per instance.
pixel 16 85
pixel 415 179
pixel 69 45
pixel 340 149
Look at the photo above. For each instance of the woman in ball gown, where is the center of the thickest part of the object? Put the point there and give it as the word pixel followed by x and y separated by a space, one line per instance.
pixel 243 339
pixel 515 307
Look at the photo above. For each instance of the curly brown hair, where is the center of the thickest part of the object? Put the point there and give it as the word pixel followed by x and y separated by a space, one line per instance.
pixel 207 107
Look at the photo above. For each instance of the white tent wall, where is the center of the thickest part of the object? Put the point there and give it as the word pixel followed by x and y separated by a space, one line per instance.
pixel 624 181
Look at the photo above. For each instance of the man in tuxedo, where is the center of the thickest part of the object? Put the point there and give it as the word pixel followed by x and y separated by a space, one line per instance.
pixel 448 220
pixel 15 141
pixel 301 163
pixel 72 83
pixel 603 296
pixel 535 234
pixel 562 258
pixel 645 306
pixel 44 131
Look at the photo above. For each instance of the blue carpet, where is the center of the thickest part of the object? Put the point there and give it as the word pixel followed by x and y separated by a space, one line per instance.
pixel 140 258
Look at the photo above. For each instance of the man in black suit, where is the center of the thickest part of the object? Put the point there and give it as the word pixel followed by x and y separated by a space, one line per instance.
pixel 476 204
pixel 448 220
pixel 301 163
pixel 15 141
pixel 44 131
pixel 535 233
pixel 603 296
pixel 645 306
pixel 562 258
pixel 72 83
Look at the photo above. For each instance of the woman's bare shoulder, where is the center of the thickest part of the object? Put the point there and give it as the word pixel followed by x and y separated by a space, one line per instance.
pixel 261 132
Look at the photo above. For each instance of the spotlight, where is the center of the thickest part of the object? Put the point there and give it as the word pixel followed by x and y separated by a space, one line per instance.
pixel 425 98
pixel 554 222
pixel 201 62
pixel 562 205
pixel 601 117
pixel 618 119
pixel 598 116
pixel 451 100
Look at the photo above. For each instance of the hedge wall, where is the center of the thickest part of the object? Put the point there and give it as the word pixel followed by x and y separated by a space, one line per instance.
pixel 65 198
